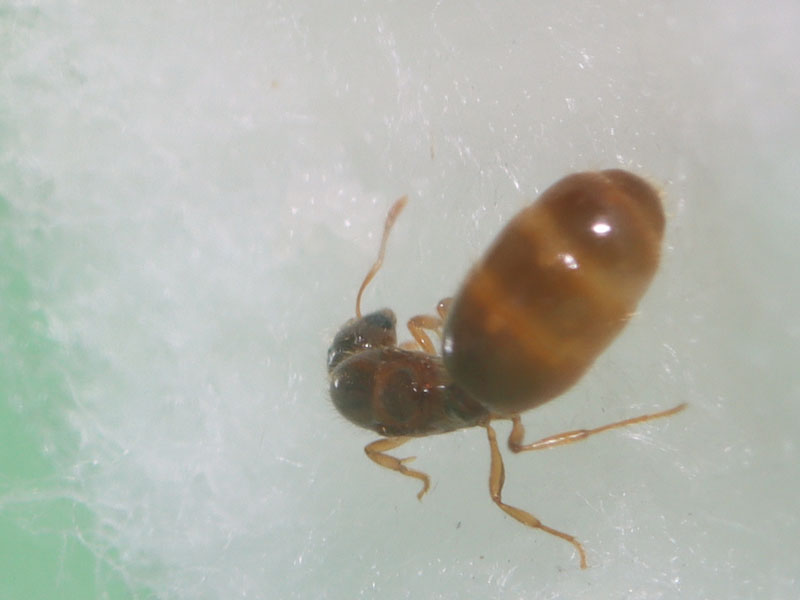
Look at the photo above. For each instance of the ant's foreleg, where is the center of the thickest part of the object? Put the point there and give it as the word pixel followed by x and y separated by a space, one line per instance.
pixel 418 324
pixel 444 307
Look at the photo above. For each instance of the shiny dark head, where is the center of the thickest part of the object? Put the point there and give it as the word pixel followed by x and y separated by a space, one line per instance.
pixel 375 330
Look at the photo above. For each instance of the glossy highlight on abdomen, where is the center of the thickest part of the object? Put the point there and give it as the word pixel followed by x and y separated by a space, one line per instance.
pixel 555 288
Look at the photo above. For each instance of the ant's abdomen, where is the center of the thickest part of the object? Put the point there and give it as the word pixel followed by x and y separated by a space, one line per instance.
pixel 396 392
pixel 559 283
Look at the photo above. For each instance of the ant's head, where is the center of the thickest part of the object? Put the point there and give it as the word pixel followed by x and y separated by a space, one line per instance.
pixel 375 330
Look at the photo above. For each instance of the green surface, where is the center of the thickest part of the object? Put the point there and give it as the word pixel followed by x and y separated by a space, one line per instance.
pixel 51 565
pixel 42 525
pixel 45 530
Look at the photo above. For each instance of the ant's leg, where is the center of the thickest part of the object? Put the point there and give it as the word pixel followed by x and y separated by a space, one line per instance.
pixel 417 325
pixel 444 307
pixel 568 437
pixel 410 345
pixel 376 450
pixel 497 477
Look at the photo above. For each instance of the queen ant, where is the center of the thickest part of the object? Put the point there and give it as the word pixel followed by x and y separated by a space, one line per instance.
pixel 552 292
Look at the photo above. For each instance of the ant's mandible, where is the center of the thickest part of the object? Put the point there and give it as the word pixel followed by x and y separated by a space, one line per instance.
pixel 551 293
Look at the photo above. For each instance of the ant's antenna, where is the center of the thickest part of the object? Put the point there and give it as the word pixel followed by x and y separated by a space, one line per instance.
pixel 394 212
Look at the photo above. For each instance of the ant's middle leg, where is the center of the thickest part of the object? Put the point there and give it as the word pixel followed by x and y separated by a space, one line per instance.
pixel 568 437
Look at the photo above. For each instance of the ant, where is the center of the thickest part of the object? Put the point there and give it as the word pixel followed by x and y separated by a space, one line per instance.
pixel 554 289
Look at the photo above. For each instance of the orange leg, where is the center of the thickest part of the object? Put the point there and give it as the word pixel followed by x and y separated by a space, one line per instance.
pixel 444 307
pixel 568 437
pixel 410 345
pixel 497 477
pixel 376 451
pixel 418 324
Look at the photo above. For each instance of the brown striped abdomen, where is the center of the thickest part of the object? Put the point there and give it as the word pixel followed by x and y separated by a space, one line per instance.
pixel 555 288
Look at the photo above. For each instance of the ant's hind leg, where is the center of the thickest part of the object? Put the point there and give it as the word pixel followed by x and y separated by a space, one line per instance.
pixel 376 451
pixel 497 477
pixel 568 437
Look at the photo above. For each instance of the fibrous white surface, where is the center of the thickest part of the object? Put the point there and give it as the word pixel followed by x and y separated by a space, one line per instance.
pixel 198 188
